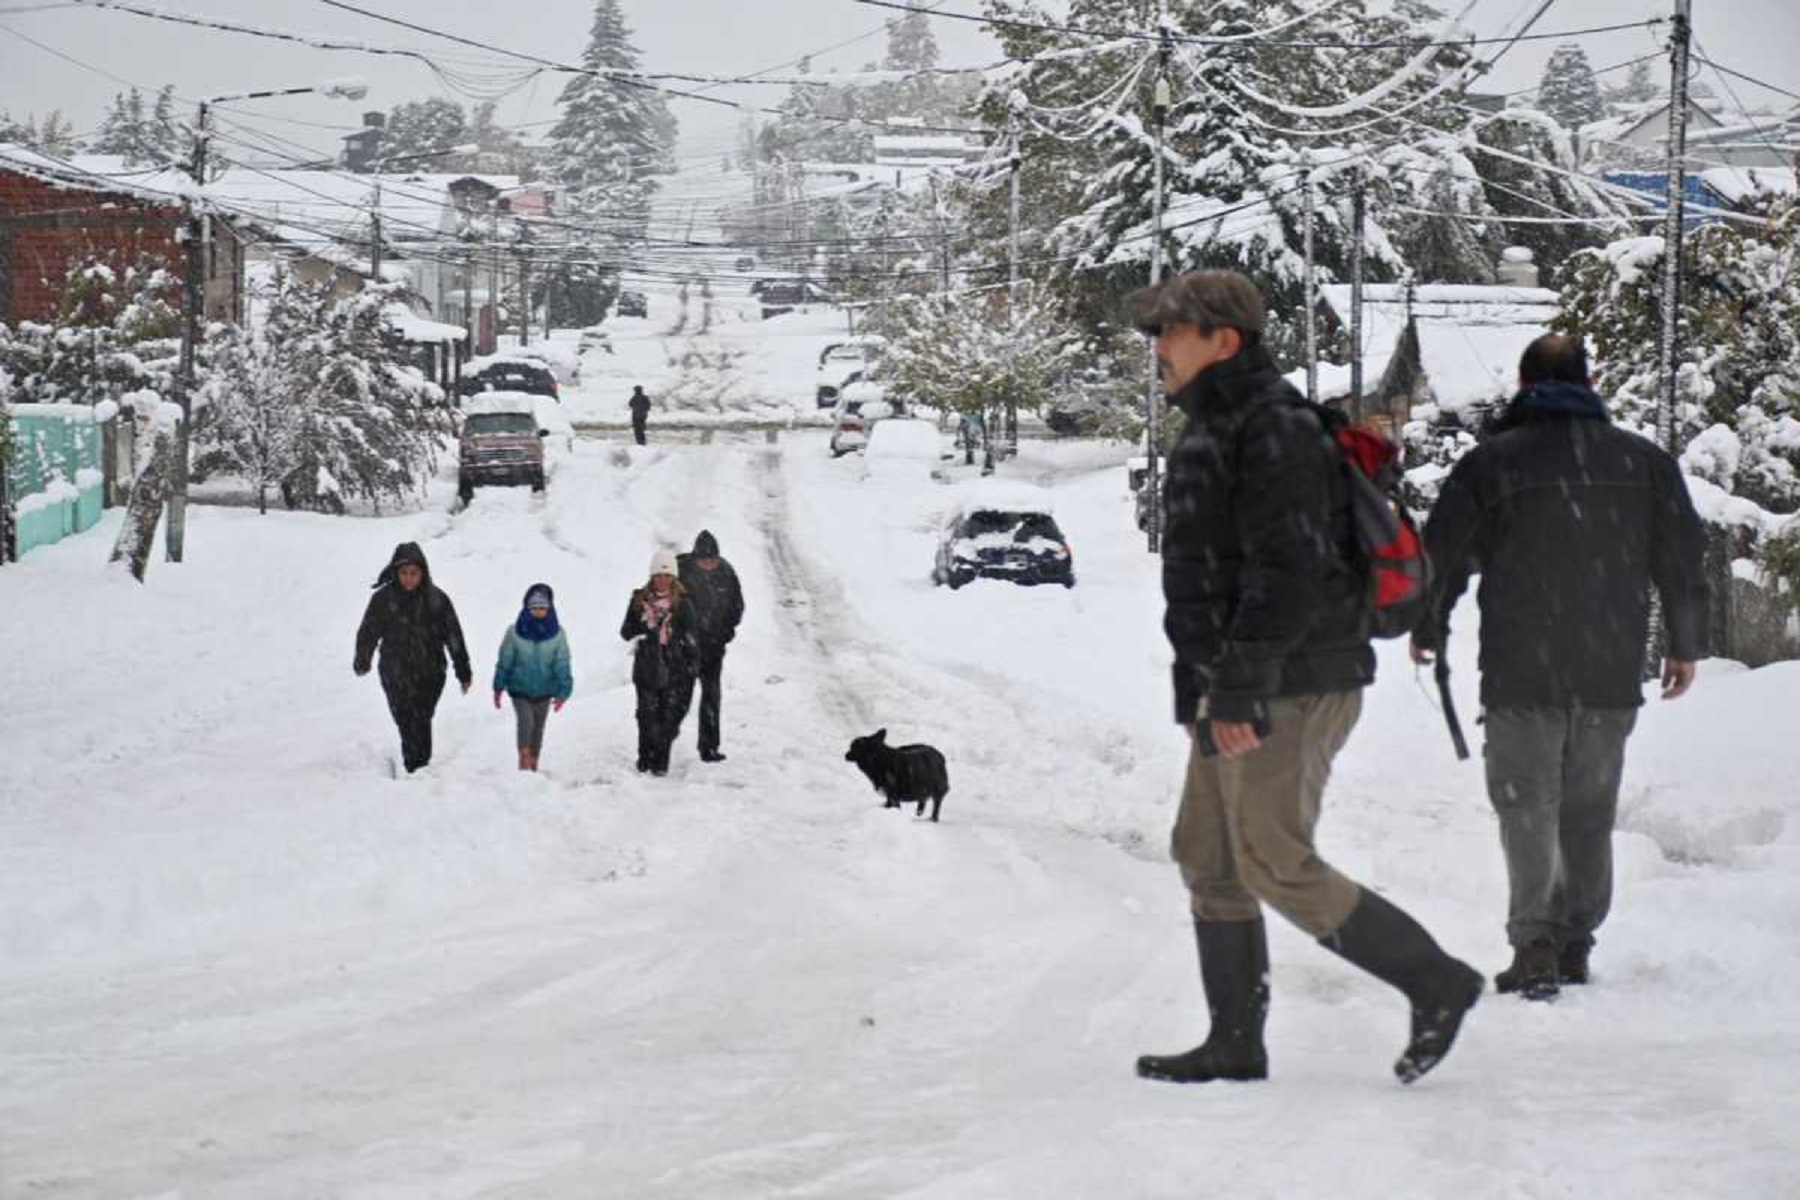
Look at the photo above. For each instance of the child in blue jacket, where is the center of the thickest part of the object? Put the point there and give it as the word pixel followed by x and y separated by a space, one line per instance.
pixel 533 669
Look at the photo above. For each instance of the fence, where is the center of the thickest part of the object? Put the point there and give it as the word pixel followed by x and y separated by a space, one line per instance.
pixel 54 483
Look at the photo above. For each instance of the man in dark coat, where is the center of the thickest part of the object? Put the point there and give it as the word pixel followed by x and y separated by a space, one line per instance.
pixel 640 413
pixel 415 626
pixel 1570 522
pixel 1268 617
pixel 718 602
pixel 659 618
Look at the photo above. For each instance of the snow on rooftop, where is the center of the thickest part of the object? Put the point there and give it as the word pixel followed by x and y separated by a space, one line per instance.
pixel 414 328
pixel 1735 184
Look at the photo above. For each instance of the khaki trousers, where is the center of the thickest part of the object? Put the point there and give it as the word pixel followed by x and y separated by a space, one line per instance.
pixel 1245 830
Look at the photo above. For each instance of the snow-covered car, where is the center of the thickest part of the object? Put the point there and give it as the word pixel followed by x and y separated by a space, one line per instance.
pixel 507 373
pixel 501 443
pixel 558 356
pixel 632 304
pixel 903 448
pixel 1076 416
pixel 860 405
pixel 1002 531
pixel 843 363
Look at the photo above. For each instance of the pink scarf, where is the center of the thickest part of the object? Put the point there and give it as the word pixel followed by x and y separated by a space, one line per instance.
pixel 656 611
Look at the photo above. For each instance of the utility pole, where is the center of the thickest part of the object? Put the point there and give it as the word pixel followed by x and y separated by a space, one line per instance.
pixel 1358 214
pixel 524 291
pixel 1666 431
pixel 1310 290
pixel 194 288
pixel 1159 117
pixel 1014 162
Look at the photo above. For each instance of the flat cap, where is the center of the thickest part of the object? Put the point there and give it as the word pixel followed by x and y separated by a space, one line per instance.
pixel 1209 299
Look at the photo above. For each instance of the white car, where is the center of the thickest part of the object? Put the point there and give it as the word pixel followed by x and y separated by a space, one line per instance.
pixel 902 448
pixel 859 407
pixel 844 363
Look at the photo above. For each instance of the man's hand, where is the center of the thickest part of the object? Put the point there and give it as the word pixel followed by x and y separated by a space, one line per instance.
pixel 1234 738
pixel 360 671
pixel 1420 654
pixel 466 685
pixel 1677 678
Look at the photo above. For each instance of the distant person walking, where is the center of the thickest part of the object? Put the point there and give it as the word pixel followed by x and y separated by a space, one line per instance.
pixel 1569 521
pixel 414 626
pixel 533 669
pixel 660 620
pixel 718 602
pixel 1268 616
pixel 640 413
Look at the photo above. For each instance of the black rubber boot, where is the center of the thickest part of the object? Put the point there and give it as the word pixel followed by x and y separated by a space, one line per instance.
pixel 1572 961
pixel 1234 969
pixel 1395 949
pixel 1534 973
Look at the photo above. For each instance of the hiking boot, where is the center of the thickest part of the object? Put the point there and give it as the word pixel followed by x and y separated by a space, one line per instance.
pixel 1234 970
pixel 1572 961
pixel 1395 949
pixel 711 756
pixel 1533 973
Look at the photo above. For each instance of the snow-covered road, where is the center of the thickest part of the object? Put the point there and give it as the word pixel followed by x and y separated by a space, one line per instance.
pixel 236 960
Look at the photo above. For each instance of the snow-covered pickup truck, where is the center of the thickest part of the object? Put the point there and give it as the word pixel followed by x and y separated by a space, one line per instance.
pixel 501 443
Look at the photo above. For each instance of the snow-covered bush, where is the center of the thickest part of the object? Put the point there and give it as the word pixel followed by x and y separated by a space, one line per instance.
pixel 115 331
pixel 1739 368
pixel 959 352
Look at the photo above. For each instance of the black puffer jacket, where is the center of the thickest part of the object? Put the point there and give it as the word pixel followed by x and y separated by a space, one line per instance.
pixel 1569 521
pixel 716 595
pixel 415 630
pixel 1264 597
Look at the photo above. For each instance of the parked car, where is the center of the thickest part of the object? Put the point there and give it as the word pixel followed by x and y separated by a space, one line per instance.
pixel 632 304
pixel 1077 416
pixel 845 362
pixel 1002 531
pixel 784 295
pixel 860 405
pixel 905 449
pixel 507 373
pixel 745 262
pixel 501 443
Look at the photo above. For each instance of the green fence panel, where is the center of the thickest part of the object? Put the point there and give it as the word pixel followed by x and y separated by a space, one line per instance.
pixel 55 477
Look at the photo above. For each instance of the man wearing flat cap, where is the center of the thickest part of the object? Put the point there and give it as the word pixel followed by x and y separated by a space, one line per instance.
pixel 1268 614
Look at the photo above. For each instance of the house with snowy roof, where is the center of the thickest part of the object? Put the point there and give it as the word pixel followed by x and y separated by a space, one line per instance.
pixel 1447 351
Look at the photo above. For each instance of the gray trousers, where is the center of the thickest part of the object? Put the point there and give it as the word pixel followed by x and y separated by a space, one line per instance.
pixel 533 713
pixel 1553 778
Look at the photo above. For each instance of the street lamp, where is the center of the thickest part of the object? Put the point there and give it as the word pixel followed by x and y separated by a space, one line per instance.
pixel 196 237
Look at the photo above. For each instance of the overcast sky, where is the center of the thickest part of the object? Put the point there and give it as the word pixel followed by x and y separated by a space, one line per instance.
pixel 1758 37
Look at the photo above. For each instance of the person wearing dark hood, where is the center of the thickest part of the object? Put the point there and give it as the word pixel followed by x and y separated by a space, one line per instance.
pixel 414 625
pixel 640 412
pixel 533 669
pixel 1570 522
pixel 1268 616
pixel 660 619
pixel 718 601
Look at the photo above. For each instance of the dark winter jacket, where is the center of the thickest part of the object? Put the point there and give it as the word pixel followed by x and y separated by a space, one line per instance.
pixel 415 630
pixel 1568 521
pixel 1263 595
pixel 656 666
pixel 640 407
pixel 717 598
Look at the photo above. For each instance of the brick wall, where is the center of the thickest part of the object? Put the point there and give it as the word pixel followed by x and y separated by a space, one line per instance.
pixel 44 228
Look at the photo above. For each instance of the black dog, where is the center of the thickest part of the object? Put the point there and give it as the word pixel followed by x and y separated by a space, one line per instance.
pixel 902 773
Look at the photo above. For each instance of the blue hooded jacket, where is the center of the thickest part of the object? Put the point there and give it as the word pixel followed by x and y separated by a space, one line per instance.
pixel 534 655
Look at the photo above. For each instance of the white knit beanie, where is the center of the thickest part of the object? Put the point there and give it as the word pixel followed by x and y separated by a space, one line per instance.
pixel 663 563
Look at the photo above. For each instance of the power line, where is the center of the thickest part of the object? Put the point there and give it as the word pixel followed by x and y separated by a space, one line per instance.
pixel 1761 83
pixel 1315 44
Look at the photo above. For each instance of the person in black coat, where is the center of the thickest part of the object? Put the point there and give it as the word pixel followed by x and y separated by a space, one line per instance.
pixel 660 619
pixel 640 413
pixel 1268 616
pixel 718 601
pixel 414 626
pixel 1570 522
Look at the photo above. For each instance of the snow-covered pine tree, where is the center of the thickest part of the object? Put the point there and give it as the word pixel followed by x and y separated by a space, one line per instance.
pixel 254 423
pixel 419 127
pixel 1638 87
pixel 960 349
pixel 1553 189
pixel 615 135
pixel 1568 90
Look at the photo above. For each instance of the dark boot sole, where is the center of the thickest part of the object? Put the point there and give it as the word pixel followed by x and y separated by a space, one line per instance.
pixel 1413 1065
pixel 1175 1070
